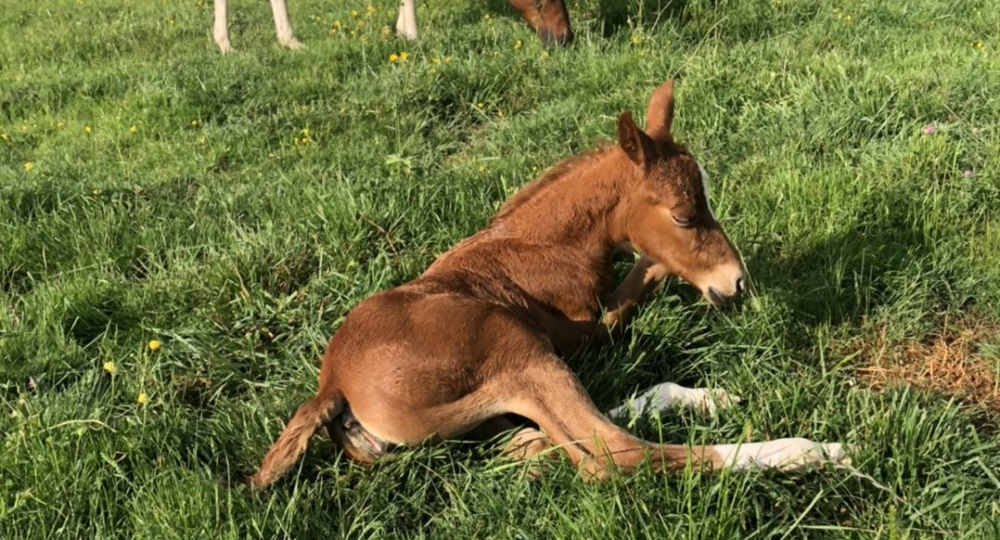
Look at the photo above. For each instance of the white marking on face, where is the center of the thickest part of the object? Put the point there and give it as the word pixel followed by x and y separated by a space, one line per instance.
pixel 704 187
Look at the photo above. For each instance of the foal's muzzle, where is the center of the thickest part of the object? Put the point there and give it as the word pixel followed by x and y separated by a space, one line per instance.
pixel 721 300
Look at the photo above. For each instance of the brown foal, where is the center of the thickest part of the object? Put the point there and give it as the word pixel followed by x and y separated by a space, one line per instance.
pixel 477 336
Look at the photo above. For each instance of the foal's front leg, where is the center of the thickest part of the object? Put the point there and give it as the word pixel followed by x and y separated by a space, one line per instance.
pixel 633 291
pixel 667 395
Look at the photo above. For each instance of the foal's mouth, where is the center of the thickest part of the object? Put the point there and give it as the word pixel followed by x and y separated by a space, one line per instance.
pixel 722 302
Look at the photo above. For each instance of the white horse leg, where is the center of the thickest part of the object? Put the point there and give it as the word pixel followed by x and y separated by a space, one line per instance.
pixel 283 25
pixel 406 23
pixel 783 454
pixel 666 395
pixel 220 30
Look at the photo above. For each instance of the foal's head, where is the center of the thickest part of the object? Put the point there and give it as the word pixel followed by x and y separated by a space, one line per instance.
pixel 668 216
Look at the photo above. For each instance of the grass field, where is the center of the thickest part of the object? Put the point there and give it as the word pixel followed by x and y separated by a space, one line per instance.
pixel 234 208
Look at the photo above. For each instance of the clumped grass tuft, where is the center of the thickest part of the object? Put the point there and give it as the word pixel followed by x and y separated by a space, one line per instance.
pixel 234 208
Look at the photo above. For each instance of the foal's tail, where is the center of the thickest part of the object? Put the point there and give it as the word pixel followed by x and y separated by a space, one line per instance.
pixel 292 442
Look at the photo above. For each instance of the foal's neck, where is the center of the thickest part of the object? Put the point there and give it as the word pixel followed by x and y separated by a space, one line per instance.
pixel 576 209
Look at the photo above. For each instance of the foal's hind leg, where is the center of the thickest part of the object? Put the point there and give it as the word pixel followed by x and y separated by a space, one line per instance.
pixel 528 442
pixel 550 395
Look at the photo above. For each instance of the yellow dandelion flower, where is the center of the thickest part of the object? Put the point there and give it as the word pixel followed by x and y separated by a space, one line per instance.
pixel 447 59
pixel 28 166
pixel 142 399
pixel 353 33
pixel 978 44
pixel 354 13
pixel 482 169
pixel 86 129
pixel 435 60
pixel 361 23
pixel 132 129
pixel 403 55
pixel 486 17
pixel 110 367
pixel 847 18
pixel 336 25
pixel 386 31
pixel 479 105
pixel 393 57
pixel 517 44
pixel 370 10
pixel 59 124
pixel 363 39
pixel 154 344
pixel 194 123
pixel 635 40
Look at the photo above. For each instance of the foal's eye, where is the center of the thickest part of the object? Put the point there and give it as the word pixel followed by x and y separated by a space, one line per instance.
pixel 682 221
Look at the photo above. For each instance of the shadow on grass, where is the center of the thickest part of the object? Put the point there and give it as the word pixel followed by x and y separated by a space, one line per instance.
pixel 880 266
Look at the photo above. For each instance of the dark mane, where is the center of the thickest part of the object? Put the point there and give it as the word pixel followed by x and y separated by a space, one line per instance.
pixel 557 172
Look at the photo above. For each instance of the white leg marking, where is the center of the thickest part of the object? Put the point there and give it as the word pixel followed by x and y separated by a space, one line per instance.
pixel 704 187
pixel 220 30
pixel 784 454
pixel 406 23
pixel 283 25
pixel 666 395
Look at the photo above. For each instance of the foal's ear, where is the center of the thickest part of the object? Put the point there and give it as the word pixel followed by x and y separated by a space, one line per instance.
pixel 636 144
pixel 660 114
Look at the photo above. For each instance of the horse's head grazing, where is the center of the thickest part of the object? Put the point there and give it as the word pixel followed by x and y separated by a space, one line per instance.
pixel 667 213
pixel 549 19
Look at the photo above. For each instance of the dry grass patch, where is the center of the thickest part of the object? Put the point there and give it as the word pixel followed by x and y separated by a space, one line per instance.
pixel 951 361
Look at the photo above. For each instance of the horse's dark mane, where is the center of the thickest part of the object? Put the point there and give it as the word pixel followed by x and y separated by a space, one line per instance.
pixel 558 172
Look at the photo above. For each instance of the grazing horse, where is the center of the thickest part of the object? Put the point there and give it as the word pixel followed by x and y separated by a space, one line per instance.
pixel 548 18
pixel 475 341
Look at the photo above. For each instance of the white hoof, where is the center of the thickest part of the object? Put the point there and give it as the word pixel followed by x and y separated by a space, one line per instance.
pixel 292 43
pixel 224 45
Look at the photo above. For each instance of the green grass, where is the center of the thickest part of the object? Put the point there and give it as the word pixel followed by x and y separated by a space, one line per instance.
pixel 213 229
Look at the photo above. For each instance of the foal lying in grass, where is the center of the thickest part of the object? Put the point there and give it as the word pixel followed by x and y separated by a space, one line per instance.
pixel 477 337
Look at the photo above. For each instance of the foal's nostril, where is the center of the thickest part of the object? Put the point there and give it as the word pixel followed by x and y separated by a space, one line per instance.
pixel 740 285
